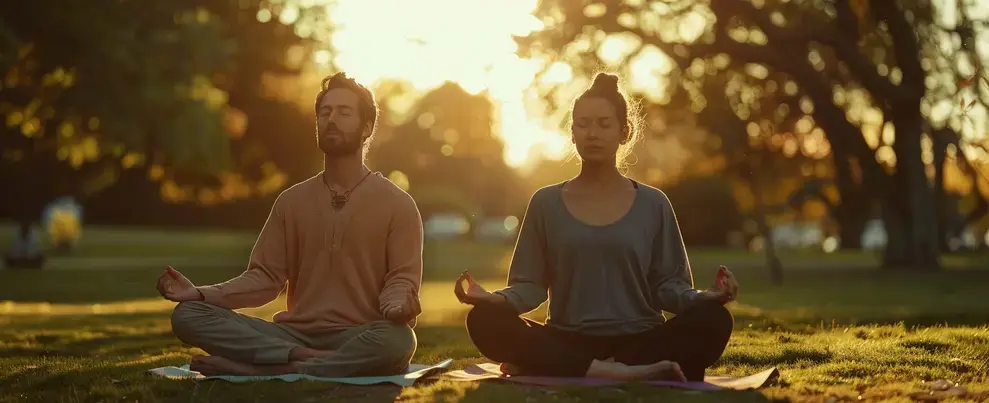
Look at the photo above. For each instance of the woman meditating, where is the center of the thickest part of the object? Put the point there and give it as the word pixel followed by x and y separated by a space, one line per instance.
pixel 607 252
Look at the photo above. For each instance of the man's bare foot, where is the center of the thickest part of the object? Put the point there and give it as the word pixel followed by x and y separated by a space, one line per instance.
pixel 215 365
pixel 609 369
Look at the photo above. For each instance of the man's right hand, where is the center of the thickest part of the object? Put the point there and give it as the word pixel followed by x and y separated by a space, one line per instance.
pixel 175 287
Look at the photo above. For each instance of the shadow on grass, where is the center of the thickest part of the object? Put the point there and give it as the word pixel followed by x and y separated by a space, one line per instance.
pixel 130 382
pixel 104 359
pixel 44 324
pixel 490 390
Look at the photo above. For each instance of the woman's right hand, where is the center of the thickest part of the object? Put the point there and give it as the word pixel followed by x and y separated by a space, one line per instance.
pixel 474 293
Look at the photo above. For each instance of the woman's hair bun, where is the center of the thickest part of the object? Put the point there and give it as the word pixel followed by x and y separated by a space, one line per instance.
pixel 605 82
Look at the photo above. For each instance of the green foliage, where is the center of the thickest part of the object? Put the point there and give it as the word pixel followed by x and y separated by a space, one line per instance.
pixel 177 93
pixel 451 158
pixel 119 64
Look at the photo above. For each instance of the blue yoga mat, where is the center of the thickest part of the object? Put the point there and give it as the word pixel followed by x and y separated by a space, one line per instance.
pixel 409 378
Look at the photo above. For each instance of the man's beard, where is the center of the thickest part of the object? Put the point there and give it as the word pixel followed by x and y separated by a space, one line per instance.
pixel 336 143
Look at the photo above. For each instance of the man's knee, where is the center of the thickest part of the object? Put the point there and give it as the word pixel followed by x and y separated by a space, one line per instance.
pixel 187 317
pixel 395 343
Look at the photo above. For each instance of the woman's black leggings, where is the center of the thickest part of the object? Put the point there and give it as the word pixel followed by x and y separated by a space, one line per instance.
pixel 695 340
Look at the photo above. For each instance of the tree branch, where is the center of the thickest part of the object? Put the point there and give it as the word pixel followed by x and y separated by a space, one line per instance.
pixel 841 133
pixel 905 47
pixel 844 45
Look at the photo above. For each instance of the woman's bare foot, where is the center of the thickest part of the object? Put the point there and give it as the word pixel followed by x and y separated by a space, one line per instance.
pixel 609 369
pixel 215 365
pixel 510 369
pixel 667 371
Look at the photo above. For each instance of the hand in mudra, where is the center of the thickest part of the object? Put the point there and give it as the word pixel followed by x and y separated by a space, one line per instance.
pixel 724 289
pixel 173 286
pixel 474 293
pixel 404 312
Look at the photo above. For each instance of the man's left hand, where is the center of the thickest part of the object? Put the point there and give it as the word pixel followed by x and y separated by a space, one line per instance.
pixel 405 311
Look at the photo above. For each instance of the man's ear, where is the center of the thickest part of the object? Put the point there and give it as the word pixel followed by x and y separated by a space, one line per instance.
pixel 366 133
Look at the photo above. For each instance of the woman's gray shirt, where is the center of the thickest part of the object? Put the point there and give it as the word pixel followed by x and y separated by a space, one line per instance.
pixel 600 280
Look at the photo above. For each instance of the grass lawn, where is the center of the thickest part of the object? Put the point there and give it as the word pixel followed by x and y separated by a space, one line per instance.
pixel 87 333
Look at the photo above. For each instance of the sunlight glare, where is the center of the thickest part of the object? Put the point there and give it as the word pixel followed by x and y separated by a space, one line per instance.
pixel 557 73
pixel 419 42
pixel 322 57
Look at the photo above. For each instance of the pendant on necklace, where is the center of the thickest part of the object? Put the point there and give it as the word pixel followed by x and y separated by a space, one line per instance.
pixel 339 201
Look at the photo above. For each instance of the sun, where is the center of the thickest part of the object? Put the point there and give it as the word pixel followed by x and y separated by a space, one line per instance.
pixel 469 42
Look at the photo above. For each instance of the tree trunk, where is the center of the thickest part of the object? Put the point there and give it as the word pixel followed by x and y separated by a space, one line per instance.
pixel 851 224
pixel 918 206
pixel 918 203
pixel 769 246
pixel 942 203
pixel 853 210
pixel 897 252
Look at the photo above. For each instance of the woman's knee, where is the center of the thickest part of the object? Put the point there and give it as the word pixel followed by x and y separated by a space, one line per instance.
pixel 484 325
pixel 712 318
pixel 482 318
pixel 722 320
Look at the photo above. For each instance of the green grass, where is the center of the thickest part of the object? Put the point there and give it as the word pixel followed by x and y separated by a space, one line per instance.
pixel 87 332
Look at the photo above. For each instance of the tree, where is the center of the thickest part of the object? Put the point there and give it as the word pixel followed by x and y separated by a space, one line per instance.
pixel 175 102
pixel 811 45
pixel 172 106
pixel 448 156
pixel 958 66
pixel 93 86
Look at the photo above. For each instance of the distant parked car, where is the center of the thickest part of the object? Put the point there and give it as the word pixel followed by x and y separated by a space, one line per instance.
pixel 497 228
pixel 445 226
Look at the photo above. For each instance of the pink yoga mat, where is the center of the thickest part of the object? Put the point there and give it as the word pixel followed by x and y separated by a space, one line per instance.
pixel 492 371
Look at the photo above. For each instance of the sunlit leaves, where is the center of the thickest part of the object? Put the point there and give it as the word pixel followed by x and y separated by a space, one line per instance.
pixel 59 77
pixel 109 74
pixel 232 186
pixel 201 89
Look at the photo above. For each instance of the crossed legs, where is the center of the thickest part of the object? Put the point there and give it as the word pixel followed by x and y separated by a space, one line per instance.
pixel 242 345
pixel 693 340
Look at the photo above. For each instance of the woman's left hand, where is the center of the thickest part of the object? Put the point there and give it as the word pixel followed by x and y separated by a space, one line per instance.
pixel 725 288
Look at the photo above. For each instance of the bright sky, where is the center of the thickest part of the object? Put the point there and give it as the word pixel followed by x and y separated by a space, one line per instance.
pixel 422 43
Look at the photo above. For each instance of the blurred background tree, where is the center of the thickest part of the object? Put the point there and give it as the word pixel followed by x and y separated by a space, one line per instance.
pixel 839 79
pixel 107 101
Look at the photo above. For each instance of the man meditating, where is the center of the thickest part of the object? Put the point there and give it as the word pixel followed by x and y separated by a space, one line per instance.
pixel 346 243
